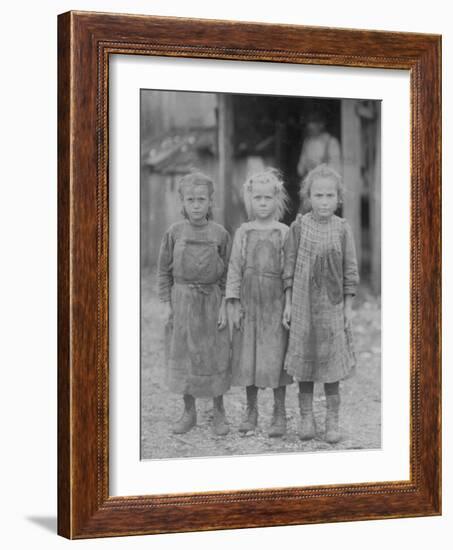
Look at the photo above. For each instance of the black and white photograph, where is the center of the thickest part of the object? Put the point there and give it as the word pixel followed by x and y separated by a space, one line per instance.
pixel 260 253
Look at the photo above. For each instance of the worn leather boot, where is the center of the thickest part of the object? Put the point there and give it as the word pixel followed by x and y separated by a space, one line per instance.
pixel 189 417
pixel 251 414
pixel 278 424
pixel 332 413
pixel 307 422
pixel 219 423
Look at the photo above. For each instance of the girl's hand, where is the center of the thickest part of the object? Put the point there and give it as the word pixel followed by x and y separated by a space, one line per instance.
pixel 168 313
pixel 234 314
pixel 348 314
pixel 222 318
pixel 286 320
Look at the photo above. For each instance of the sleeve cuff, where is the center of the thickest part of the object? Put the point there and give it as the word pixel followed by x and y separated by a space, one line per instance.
pixel 350 290
pixel 287 283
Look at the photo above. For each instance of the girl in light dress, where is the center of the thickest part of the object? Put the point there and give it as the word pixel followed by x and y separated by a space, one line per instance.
pixel 255 299
pixel 320 281
pixel 192 270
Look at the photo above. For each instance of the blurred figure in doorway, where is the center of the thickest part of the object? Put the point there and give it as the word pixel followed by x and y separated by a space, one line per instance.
pixel 319 146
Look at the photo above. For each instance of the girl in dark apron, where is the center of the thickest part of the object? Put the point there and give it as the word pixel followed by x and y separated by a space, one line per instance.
pixel 193 262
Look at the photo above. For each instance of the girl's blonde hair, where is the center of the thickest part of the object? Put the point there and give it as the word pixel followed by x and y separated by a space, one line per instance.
pixel 195 179
pixel 269 175
pixel 321 171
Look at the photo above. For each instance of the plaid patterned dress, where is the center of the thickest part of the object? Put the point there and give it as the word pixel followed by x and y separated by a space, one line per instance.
pixel 321 267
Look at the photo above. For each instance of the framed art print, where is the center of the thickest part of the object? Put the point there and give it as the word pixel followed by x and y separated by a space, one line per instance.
pixel 249 275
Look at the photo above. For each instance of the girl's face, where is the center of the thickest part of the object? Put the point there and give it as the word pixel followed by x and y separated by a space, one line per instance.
pixel 196 202
pixel 263 201
pixel 324 197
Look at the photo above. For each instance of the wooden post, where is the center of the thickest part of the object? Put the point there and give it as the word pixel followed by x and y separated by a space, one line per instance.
pixel 375 209
pixel 226 152
pixel 144 217
pixel 351 155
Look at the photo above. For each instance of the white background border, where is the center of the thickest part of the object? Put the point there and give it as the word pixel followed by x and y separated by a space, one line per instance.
pixel 129 475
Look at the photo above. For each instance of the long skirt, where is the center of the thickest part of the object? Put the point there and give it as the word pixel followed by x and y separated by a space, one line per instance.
pixel 197 352
pixel 328 345
pixel 259 348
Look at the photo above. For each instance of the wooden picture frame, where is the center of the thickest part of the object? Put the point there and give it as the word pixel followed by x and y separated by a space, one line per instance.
pixel 85 42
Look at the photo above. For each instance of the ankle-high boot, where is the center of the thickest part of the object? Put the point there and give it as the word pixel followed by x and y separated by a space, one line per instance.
pixel 307 421
pixel 189 417
pixel 219 422
pixel 251 413
pixel 278 424
pixel 332 413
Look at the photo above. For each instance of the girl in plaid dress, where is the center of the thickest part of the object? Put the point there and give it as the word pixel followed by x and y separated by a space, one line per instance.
pixel 320 280
pixel 255 299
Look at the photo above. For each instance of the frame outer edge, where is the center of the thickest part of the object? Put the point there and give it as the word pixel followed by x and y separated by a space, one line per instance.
pixel 435 173
pixel 427 234
pixel 438 168
pixel 434 176
pixel 64 526
pixel 426 164
pixel 88 304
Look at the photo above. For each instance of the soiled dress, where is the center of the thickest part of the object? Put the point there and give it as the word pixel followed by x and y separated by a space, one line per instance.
pixel 255 277
pixel 193 263
pixel 321 268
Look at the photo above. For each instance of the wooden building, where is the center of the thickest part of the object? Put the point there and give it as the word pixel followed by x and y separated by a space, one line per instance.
pixel 229 136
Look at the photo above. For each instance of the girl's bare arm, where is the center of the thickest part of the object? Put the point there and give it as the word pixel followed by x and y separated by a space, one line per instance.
pixel 164 270
pixel 348 299
pixel 222 318
pixel 287 310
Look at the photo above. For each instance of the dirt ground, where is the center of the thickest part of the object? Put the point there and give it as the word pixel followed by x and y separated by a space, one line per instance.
pixel 360 414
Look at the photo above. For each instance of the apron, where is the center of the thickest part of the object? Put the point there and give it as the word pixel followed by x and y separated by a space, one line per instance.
pixel 198 354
